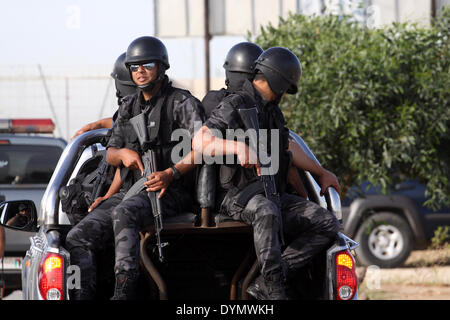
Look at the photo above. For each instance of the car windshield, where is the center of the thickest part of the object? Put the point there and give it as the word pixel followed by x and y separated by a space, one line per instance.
pixel 27 164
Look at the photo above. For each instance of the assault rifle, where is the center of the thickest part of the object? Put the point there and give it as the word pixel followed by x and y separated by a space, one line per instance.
pixel 100 179
pixel 249 117
pixel 149 161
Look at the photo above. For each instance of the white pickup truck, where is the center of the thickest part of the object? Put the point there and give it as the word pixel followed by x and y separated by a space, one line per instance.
pixel 198 264
pixel 28 157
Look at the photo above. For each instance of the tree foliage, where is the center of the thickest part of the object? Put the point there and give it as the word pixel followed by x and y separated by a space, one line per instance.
pixel 373 104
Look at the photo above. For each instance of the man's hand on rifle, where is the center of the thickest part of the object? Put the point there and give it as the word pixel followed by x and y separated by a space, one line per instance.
pixel 247 157
pixel 159 180
pixel 131 160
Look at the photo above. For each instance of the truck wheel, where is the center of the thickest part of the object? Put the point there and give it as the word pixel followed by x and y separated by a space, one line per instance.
pixel 385 240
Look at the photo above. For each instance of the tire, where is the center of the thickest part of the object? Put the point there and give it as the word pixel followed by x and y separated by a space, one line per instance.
pixel 385 240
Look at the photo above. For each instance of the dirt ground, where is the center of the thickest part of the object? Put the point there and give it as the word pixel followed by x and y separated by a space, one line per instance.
pixel 425 276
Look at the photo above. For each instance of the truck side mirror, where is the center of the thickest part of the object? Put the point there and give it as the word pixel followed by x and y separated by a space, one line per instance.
pixel 19 215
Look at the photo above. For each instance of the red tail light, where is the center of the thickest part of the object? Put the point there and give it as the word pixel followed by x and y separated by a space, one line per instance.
pixel 51 277
pixel 346 280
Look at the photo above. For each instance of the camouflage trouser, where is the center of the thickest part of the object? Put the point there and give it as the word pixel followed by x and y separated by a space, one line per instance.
pixel 87 240
pixel 262 214
pixel 130 217
pixel 115 222
pixel 307 229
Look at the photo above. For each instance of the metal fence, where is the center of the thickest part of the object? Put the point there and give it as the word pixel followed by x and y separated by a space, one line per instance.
pixel 71 96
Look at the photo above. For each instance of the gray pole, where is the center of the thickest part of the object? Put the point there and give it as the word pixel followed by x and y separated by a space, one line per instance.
pixel 323 7
pixel 433 11
pixel 49 99
pixel 105 97
pixel 187 14
pixel 66 80
pixel 155 16
pixel 207 39
pixel 253 17
pixel 397 11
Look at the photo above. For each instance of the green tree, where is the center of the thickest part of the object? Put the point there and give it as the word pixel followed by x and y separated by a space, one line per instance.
pixel 373 104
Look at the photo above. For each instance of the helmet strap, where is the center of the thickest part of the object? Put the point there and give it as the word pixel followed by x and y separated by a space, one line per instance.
pixel 278 99
pixel 119 97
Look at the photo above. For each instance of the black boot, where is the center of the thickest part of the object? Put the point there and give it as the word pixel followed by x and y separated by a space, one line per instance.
pixel 276 289
pixel 257 289
pixel 271 288
pixel 126 285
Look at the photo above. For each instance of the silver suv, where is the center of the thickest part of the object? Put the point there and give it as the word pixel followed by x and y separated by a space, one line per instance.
pixel 28 157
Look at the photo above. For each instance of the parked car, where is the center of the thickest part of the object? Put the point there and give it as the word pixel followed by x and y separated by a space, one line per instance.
pixel 28 157
pixel 388 227
pixel 208 256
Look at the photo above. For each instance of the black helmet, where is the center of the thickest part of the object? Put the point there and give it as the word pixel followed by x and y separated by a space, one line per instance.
pixel 281 68
pixel 241 57
pixel 124 85
pixel 146 49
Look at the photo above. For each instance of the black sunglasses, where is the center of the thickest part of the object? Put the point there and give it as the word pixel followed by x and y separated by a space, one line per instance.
pixel 148 66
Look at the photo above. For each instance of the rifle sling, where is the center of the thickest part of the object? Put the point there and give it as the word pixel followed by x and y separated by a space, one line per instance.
pixel 248 192
pixel 154 118
pixel 137 187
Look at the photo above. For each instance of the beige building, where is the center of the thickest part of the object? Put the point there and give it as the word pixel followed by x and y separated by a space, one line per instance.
pixel 73 96
pixel 185 18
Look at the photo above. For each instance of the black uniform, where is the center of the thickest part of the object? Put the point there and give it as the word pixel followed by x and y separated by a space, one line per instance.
pixel 118 221
pixel 135 213
pixel 307 227
pixel 213 98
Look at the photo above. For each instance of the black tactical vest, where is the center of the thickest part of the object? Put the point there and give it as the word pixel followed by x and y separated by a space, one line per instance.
pixel 162 144
pixel 270 117
pixel 213 99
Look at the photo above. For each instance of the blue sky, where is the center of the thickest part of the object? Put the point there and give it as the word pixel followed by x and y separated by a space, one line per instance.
pixel 86 32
